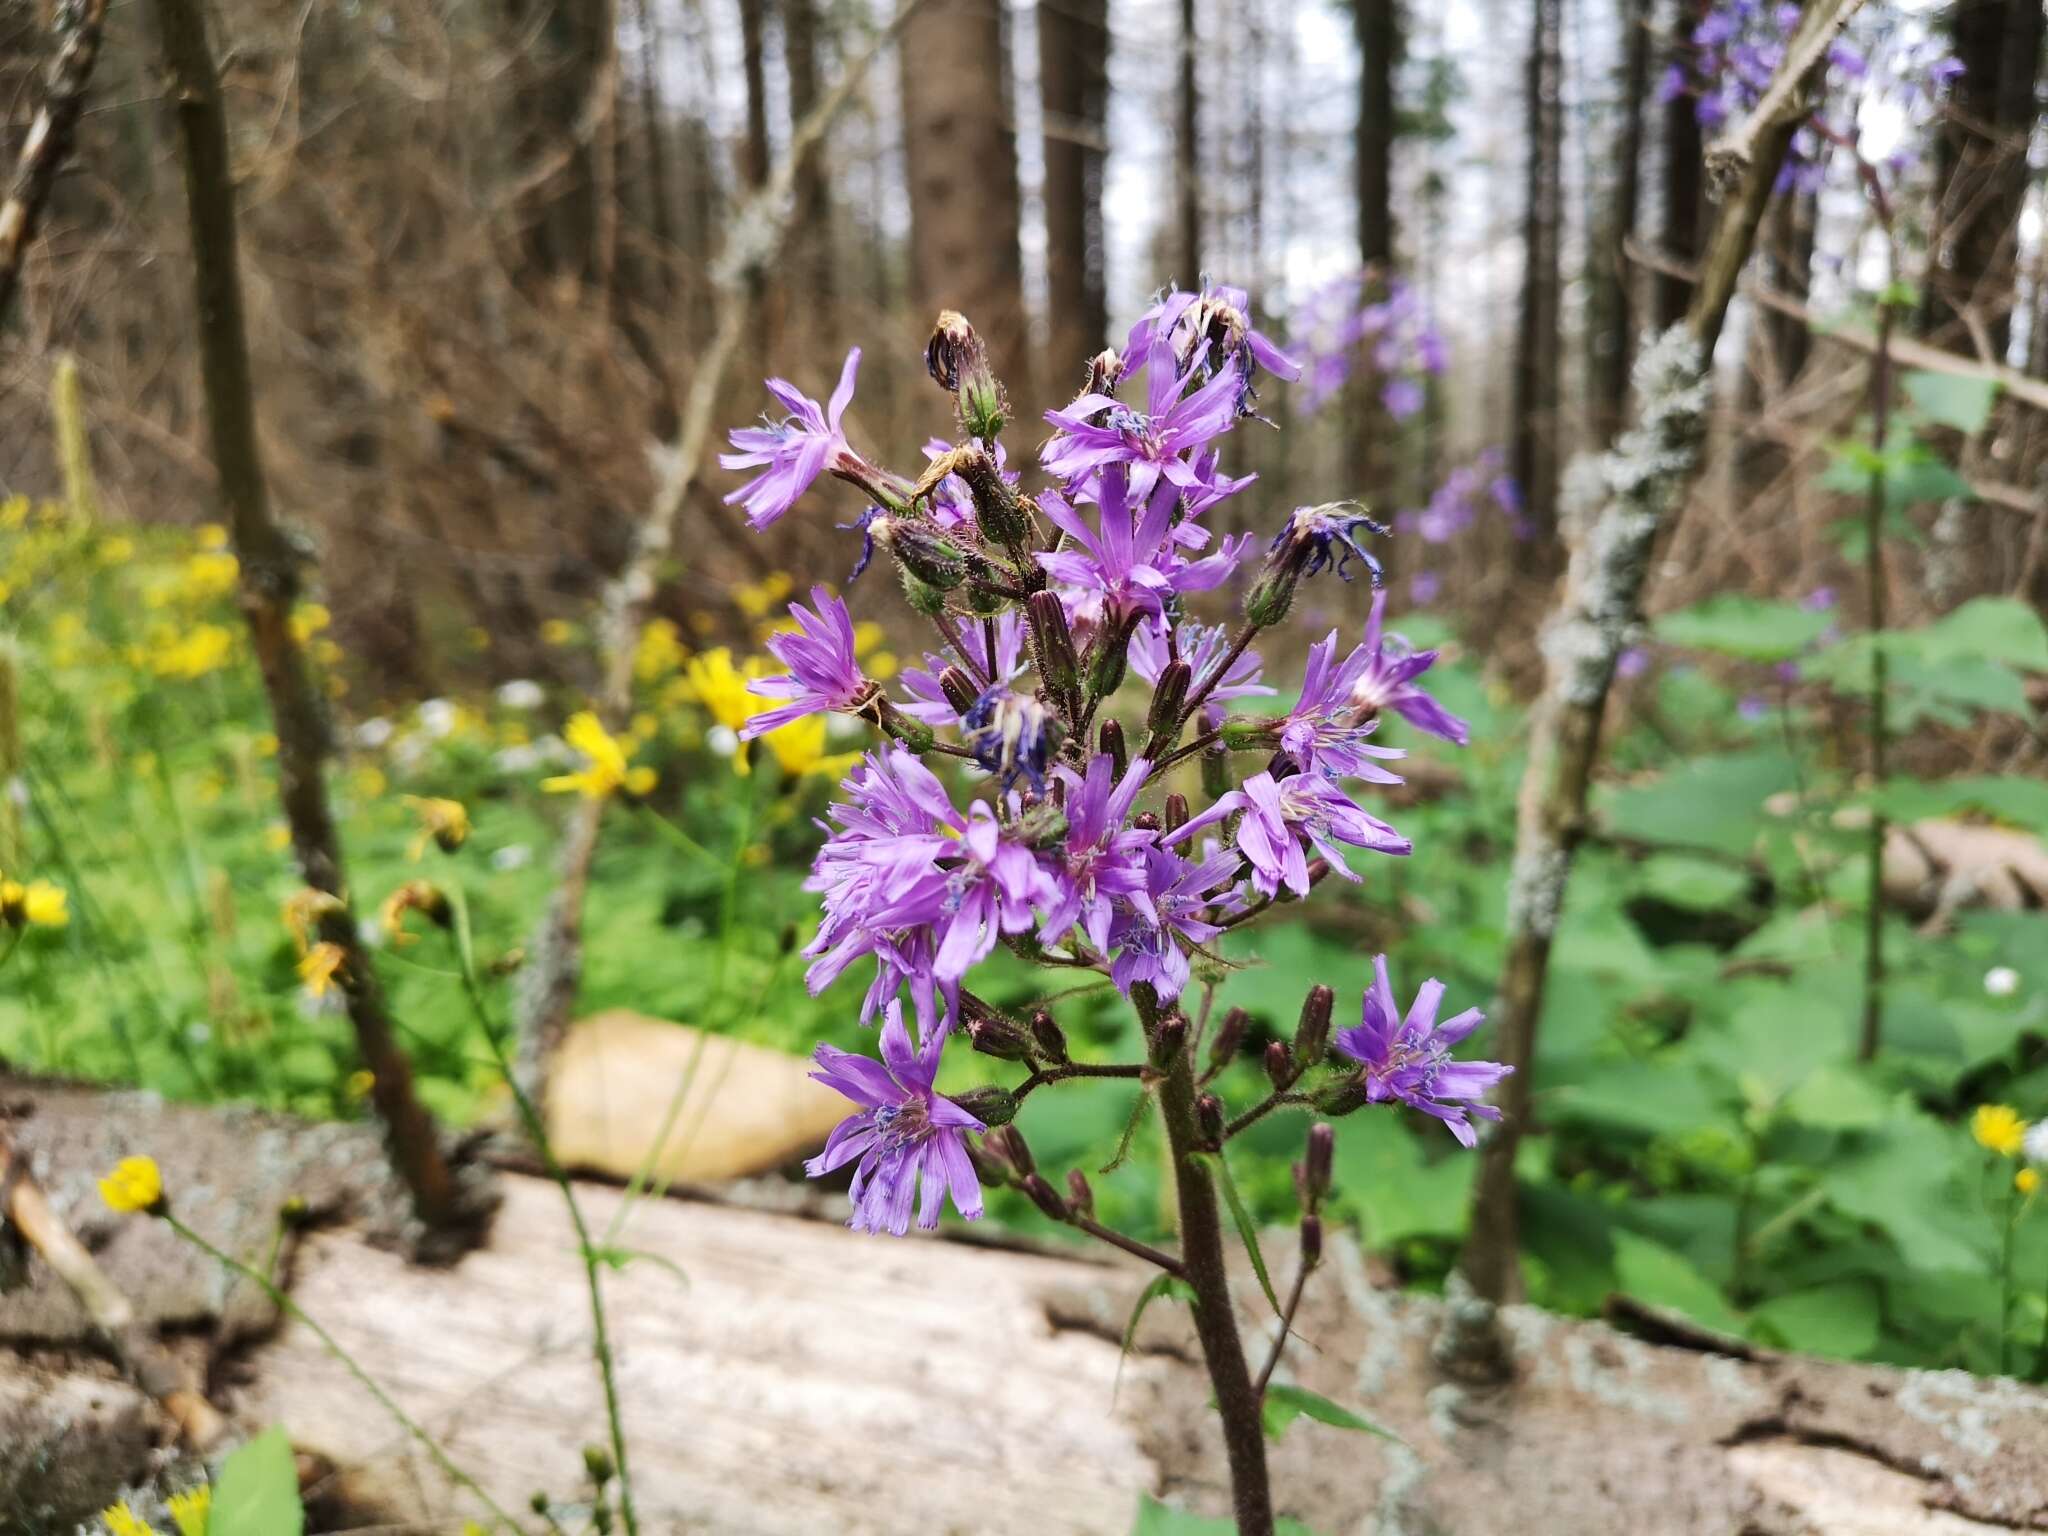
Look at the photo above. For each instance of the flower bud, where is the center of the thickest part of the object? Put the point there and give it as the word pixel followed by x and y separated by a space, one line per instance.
pixel 959 689
pixel 1105 372
pixel 1318 1165
pixel 1010 1142
pixel 914 734
pixel 537 1501
pixel 1311 1241
pixel 1229 1035
pixel 1050 1039
pixel 923 598
pixel 1110 739
pixel 997 511
pixel 1279 1064
pixel 1044 1196
pixel 1216 772
pixel 1168 1037
pixel 1079 1195
pixel 1168 698
pixel 597 1462
pixel 1176 813
pixel 925 553
pixel 989 1166
pixel 1242 733
pixel 1209 1116
pixel 1053 645
pixel 1343 1096
pixel 991 1105
pixel 993 1035
pixel 1271 596
pixel 1108 655
pixel 1312 1034
pixel 958 362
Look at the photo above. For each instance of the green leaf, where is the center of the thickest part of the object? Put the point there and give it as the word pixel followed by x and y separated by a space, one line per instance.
pixel 1755 629
pixel 1246 1232
pixel 1284 1404
pixel 1904 1183
pixel 1709 802
pixel 1156 1519
pixel 1986 628
pixel 1651 1272
pixel 257 1491
pixel 1698 885
pixel 1950 401
pixel 1397 1191
pixel 1649 1097
pixel 1841 1319
pixel 1837 1097
pixel 1162 1285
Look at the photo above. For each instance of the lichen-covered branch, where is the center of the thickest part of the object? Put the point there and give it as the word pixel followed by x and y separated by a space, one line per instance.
pixel 43 152
pixel 269 585
pixel 1621 503
pixel 547 993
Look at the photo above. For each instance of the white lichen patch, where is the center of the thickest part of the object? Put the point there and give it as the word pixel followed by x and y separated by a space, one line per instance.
pixel 1444 1402
pixel 1611 1368
pixel 1963 1408
pixel 1536 887
pixel 1405 1473
pixel 1731 1380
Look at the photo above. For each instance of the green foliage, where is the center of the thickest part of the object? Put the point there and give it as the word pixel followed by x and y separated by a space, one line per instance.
pixel 257 1491
pixel 1283 1404
pixel 1156 1519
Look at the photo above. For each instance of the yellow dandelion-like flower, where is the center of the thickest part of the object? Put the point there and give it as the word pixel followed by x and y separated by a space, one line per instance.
pixel 2026 1181
pixel 136 1184
pixel 192 1510
pixel 1998 1128
pixel 445 823
pixel 14 513
pixel 606 769
pixel 208 576
pixel 36 904
pixel 213 536
pixel 558 632
pixel 660 650
pixel 799 749
pixel 359 1083
pixel 203 649
pixel 303 912
pixel 120 1520
pixel 308 619
pixel 320 966
pixel 116 549
pixel 369 782
pixel 264 744
pixel 755 598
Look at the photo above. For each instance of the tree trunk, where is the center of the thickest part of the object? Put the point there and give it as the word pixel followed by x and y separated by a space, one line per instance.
pixel 1535 402
pixel 1981 169
pixel 1683 191
pixel 269 587
pixel 1187 183
pixel 811 226
pixel 753 50
pixel 1611 336
pixel 1369 444
pixel 962 158
pixel 558 70
pixel 1073 87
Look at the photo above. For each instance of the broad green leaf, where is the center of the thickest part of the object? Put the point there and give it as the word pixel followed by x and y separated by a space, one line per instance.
pixel 1753 628
pixel 1841 1319
pixel 1985 628
pixel 1653 1273
pixel 1162 1285
pixel 1397 1191
pixel 257 1491
pixel 1904 1182
pixel 1247 1231
pixel 1284 1404
pixel 1709 802
pixel 1156 1519
pixel 1837 1097
pixel 1648 1097
pixel 1949 401
pixel 1699 885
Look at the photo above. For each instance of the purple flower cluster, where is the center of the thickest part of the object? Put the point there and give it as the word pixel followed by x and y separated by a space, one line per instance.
pixel 1736 47
pixel 1344 325
pixel 1459 502
pixel 1059 831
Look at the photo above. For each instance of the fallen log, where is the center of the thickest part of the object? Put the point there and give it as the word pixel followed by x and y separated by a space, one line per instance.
pixel 782 1375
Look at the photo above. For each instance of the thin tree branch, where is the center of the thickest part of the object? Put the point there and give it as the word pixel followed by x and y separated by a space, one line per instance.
pixel 79 27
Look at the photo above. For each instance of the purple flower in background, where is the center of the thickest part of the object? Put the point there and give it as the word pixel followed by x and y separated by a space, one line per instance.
pixel 1454 506
pixel 1753 707
pixel 1424 587
pixel 1102 860
pixel 823 674
pixel 1819 600
pixel 1380 674
pixel 1218 319
pixel 1149 933
pixel 1201 646
pixel 1402 397
pixel 1337 330
pixel 1151 443
pixel 1129 559
pixel 1283 818
pixel 1003 664
pixel 1409 1059
pixel 1633 662
pixel 797 449
pixel 910 1140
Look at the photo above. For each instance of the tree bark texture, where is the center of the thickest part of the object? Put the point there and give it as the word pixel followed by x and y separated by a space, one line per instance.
pixel 1682 192
pixel 1073 84
pixel 1536 426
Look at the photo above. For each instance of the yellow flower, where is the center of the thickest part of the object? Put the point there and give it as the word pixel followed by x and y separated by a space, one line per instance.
pixel 368 782
pixel 265 744
pixel 277 837
pixel 14 513
pixel 359 1083
pixel 192 1510
pixel 2026 1181
pixel 756 597
pixel 37 904
pixel 443 822
pixel 558 632
pixel 123 1521
pixel 213 536
pixel 660 650
pixel 413 896
pixel 319 967
pixel 721 688
pixel 799 748
pixel 136 1184
pixel 201 651
pixel 308 619
pixel 117 549
pixel 208 576
pixel 1998 1128
pixel 303 911
pixel 605 770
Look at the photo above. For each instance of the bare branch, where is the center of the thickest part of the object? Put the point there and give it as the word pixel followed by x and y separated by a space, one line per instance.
pixel 79 26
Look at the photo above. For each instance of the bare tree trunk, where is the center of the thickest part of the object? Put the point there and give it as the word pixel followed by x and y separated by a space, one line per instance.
pixel 558 118
pixel 753 54
pixel 48 143
pixel 1073 87
pixel 1682 190
pixel 1187 158
pixel 1981 168
pixel 1534 457
pixel 962 157
pixel 1640 490
pixel 811 229
pixel 269 587
pixel 1369 444
pixel 1611 335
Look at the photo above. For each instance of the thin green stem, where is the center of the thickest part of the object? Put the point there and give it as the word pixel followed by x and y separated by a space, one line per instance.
pixel 298 1314
pixel 2005 1272
pixel 536 1131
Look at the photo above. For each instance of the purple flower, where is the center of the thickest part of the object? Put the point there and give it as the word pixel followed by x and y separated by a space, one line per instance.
pixel 1753 707
pixel 1220 318
pixel 971 644
pixel 1380 674
pixel 1283 818
pixel 1329 536
pixel 1102 860
pixel 1128 560
pixel 1011 734
pixel 1402 397
pixel 1633 662
pixel 1324 732
pixel 1409 1059
pixel 1424 587
pixel 1819 600
pixel 797 449
pixel 823 674
pixel 905 1135
pixel 1151 930
pixel 1201 647
pixel 1152 443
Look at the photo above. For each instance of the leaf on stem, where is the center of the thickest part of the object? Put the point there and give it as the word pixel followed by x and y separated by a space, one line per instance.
pixel 1283 1404
pixel 1243 1219
pixel 1162 1285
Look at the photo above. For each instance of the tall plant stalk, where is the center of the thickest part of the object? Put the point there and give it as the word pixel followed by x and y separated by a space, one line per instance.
pixel 1873 576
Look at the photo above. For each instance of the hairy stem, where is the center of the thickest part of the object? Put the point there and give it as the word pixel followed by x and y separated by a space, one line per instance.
pixel 1873 576
pixel 1301 1274
pixel 1201 1235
